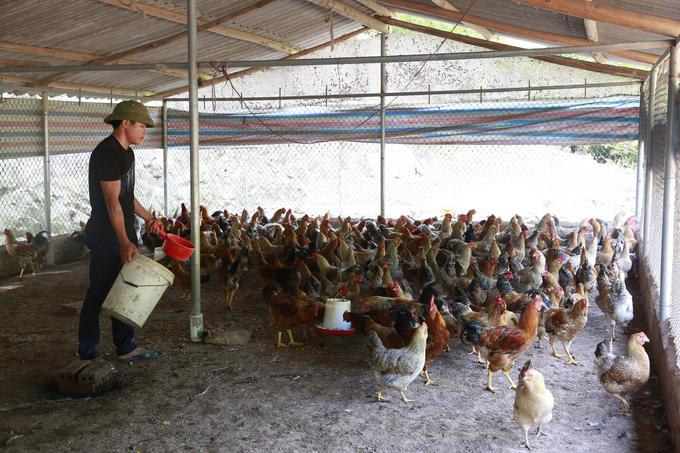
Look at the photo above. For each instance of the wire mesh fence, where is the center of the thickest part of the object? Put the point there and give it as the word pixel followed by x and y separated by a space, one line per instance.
pixel 657 148
pixel 500 156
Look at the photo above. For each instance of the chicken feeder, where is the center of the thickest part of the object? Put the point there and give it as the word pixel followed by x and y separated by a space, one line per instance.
pixel 176 247
pixel 333 323
pixel 137 289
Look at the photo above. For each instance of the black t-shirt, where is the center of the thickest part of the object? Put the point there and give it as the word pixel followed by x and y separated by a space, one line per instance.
pixel 111 162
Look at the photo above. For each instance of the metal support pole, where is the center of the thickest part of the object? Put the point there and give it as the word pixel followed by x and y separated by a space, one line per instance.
pixel 383 82
pixel 647 219
pixel 670 173
pixel 164 113
pixel 46 172
pixel 196 318
pixel 641 163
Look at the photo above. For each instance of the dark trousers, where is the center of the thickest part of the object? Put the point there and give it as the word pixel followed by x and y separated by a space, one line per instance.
pixel 104 265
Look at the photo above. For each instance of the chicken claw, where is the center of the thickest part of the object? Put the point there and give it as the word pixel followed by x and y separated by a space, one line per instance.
pixel 488 384
pixel 512 384
pixel 379 393
pixel 625 407
pixel 403 397
pixel 559 356
pixel 426 376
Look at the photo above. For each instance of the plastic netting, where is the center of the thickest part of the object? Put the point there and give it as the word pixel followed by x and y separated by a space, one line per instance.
pixel 657 145
pixel 499 156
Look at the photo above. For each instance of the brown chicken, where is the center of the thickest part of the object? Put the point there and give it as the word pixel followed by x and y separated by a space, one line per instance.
pixel 182 278
pixel 229 278
pixel 438 338
pixel 495 318
pixel 288 312
pixel 396 368
pixel 41 257
pixel 283 275
pixel 500 346
pixel 334 274
pixel 25 253
pixel 533 402
pixel 623 374
pixel 563 324
pixel 389 337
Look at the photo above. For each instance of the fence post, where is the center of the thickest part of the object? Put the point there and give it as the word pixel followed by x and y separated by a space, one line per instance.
pixel 641 163
pixel 670 173
pixel 383 80
pixel 164 113
pixel 46 172
pixel 196 318
pixel 647 221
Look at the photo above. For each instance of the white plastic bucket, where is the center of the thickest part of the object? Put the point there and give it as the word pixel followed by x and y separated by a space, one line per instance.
pixel 137 289
pixel 332 317
pixel 158 254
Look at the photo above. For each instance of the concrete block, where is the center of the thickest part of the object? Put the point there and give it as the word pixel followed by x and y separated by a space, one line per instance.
pixel 227 337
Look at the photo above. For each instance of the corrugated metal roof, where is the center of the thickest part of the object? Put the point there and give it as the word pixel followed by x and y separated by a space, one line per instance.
pixel 102 28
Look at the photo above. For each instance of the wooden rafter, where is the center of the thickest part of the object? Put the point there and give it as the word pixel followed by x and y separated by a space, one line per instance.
pixel 378 8
pixel 518 31
pixel 488 34
pixel 46 81
pixel 19 63
pixel 351 13
pixel 578 64
pixel 69 55
pixel 221 30
pixel 611 15
pixel 591 34
pixel 246 72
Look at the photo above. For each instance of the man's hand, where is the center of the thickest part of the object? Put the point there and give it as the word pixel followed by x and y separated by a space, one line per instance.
pixel 126 251
pixel 154 226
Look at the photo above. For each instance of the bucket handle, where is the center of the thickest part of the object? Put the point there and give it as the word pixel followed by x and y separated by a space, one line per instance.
pixel 134 285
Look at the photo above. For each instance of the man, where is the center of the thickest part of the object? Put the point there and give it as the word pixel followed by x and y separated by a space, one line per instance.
pixel 110 233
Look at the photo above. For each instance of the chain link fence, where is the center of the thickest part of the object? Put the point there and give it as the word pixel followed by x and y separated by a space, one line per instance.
pixel 657 155
pixel 493 153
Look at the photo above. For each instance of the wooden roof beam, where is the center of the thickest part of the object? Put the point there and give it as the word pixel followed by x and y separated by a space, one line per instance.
pixel 245 72
pixel 591 34
pixel 564 61
pixel 69 55
pixel 518 31
pixel 611 15
pixel 488 34
pixel 378 8
pixel 46 81
pixel 354 14
pixel 20 63
pixel 224 31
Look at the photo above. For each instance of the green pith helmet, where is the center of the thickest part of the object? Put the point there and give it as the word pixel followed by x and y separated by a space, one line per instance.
pixel 131 111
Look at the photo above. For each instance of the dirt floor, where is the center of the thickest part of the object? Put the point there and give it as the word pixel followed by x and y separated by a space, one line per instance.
pixel 316 397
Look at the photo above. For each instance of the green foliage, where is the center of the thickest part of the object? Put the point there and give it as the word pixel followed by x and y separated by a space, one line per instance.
pixel 623 154
pixel 460 30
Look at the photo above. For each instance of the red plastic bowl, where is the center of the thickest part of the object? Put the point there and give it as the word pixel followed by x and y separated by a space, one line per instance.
pixel 176 247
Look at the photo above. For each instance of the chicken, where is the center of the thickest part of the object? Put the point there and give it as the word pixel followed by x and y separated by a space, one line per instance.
pixel 390 257
pixel 41 257
pixel 23 252
pixel 500 346
pixel 229 278
pixel 437 338
pixel 616 303
pixel 530 277
pixel 493 319
pixel 182 278
pixel 284 276
pixel 288 312
pixel 388 336
pixel 623 374
pixel 562 324
pixel 208 265
pixel 334 274
pixel 81 238
pixel 533 402
pixel 396 368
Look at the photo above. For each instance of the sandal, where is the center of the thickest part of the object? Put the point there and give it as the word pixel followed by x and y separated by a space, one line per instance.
pixel 113 367
pixel 143 355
